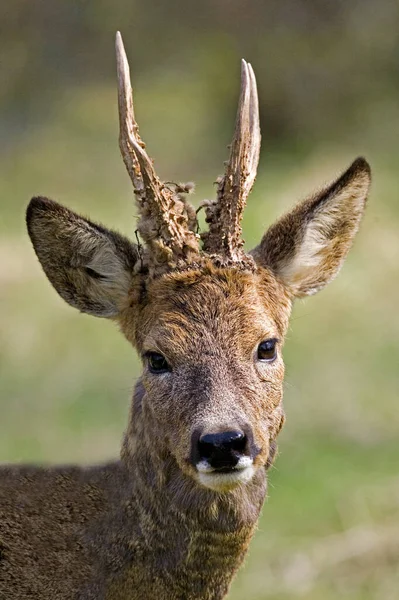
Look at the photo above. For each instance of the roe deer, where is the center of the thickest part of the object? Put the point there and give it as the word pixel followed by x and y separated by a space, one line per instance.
pixel 173 518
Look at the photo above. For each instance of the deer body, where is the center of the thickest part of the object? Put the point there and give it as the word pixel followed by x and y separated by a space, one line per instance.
pixel 173 518
pixel 120 531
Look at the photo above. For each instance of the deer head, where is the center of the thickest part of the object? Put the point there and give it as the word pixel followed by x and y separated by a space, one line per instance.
pixel 207 318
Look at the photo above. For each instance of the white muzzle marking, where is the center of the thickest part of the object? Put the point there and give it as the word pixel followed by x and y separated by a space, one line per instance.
pixel 215 480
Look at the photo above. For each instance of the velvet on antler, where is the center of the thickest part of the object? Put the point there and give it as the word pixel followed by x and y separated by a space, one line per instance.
pixel 167 221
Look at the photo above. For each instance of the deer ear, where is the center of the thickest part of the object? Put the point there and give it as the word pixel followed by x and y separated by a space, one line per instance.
pixel 306 248
pixel 89 266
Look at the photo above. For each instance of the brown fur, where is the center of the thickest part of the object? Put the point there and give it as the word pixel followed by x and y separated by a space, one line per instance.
pixel 147 526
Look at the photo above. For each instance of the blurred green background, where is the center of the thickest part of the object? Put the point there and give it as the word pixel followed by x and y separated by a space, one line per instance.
pixel 328 78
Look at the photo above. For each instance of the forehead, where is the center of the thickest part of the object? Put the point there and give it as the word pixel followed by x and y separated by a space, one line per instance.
pixel 185 308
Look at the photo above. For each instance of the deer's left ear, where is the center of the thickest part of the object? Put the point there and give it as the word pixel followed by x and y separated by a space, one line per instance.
pixel 306 248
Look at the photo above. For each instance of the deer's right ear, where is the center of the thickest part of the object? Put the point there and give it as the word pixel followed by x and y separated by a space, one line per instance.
pixel 306 248
pixel 91 267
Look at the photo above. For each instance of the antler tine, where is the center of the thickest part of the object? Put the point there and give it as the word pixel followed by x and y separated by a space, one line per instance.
pixel 164 222
pixel 128 128
pixel 225 216
pixel 255 135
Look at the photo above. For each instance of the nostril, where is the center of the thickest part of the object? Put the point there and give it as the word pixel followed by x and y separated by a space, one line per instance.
pixel 228 440
pixel 239 443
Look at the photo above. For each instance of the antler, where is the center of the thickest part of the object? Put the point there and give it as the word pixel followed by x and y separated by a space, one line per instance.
pixel 224 216
pixel 166 221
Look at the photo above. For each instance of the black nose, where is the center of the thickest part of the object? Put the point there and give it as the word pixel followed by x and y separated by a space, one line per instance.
pixel 222 450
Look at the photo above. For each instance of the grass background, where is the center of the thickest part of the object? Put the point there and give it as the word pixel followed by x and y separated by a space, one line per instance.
pixel 330 527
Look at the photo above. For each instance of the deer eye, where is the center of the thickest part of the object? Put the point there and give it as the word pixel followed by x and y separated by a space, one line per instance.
pixel 267 351
pixel 157 362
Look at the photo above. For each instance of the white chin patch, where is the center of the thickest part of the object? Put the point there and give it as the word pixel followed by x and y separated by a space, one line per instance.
pixel 215 480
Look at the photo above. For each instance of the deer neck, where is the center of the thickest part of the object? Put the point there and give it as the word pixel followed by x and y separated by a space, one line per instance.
pixel 184 524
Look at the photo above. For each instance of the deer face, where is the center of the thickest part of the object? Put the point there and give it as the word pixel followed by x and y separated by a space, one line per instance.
pixel 208 322
pixel 211 344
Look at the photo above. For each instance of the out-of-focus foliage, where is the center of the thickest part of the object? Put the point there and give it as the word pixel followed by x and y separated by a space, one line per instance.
pixel 329 86
pixel 321 65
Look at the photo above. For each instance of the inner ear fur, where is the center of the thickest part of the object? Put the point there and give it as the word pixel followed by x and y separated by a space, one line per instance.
pixel 306 248
pixel 90 266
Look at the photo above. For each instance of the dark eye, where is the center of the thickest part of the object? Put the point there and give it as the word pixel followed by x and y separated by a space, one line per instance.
pixel 267 350
pixel 157 362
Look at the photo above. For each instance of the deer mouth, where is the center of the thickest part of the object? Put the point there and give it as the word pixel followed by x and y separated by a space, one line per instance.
pixel 225 478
